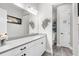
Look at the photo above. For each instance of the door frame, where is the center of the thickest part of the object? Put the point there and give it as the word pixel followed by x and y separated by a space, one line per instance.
pixel 75 29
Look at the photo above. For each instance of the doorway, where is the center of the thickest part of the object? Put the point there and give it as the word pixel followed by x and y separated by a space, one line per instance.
pixel 63 42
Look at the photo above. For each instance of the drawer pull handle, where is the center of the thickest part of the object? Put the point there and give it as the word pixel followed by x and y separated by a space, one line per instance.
pixel 23 48
pixel 41 42
pixel 24 54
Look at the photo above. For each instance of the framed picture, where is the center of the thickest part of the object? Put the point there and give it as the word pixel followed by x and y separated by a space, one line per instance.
pixel 15 20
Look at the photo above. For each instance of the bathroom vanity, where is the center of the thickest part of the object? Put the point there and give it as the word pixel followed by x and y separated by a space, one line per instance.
pixel 34 45
pixel 26 46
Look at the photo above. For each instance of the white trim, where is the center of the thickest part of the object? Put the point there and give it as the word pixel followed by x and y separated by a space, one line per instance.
pixel 75 29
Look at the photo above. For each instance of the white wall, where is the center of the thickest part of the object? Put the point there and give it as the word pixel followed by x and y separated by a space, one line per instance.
pixel 45 11
pixel 15 30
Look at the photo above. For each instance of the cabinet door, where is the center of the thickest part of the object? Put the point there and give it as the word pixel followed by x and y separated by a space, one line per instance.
pixel 3 20
pixel 34 51
pixel 38 49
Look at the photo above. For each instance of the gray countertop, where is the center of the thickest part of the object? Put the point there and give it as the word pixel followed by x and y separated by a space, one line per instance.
pixel 9 39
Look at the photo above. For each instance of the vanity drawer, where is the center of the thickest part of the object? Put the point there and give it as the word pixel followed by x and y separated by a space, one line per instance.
pixel 36 48
pixel 15 51
pixel 33 51
pixel 39 41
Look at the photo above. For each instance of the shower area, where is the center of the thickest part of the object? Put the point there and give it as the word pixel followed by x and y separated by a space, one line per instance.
pixel 62 17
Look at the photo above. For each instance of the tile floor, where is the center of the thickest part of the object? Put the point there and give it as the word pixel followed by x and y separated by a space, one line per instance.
pixel 62 51
pixel 59 51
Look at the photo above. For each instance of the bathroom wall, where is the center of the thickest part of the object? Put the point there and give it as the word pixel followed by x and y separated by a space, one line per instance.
pixel 45 12
pixel 15 30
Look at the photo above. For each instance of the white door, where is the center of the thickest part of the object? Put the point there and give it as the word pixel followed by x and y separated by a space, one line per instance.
pixel 3 20
pixel 63 25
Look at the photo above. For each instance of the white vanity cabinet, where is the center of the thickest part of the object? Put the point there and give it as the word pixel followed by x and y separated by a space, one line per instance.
pixel 38 48
pixel 34 48
pixel 3 21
